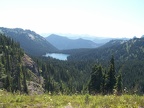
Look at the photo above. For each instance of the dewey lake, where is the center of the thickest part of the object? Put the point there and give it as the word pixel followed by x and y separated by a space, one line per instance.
pixel 59 56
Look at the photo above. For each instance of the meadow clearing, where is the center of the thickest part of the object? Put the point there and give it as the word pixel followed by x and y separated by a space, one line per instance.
pixel 9 100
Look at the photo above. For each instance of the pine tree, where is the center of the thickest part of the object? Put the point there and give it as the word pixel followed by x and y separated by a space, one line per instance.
pixel 96 80
pixel 8 83
pixel 110 78
pixel 103 82
pixel 25 89
pixel 2 75
pixel 118 86
pixel 19 70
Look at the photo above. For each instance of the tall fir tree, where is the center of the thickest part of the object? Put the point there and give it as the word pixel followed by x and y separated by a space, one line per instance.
pixel 95 84
pixel 111 78
pixel 25 88
pixel 118 86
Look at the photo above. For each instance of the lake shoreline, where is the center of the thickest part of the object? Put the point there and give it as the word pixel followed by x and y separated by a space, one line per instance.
pixel 59 56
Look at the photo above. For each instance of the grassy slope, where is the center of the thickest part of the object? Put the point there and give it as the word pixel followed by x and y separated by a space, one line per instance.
pixel 8 100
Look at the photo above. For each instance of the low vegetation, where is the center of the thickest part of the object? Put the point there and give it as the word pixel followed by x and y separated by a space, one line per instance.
pixel 9 100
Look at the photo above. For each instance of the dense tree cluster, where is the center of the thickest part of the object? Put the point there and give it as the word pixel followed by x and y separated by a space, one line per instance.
pixel 71 77
pixel 12 72
pixel 63 76
pixel 105 82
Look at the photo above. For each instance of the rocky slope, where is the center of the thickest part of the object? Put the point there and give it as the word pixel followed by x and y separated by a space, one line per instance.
pixel 35 81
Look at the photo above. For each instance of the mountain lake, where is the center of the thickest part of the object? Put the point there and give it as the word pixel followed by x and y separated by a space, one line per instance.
pixel 59 56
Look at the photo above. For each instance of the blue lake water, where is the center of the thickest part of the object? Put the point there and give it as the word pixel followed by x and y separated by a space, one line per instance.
pixel 59 56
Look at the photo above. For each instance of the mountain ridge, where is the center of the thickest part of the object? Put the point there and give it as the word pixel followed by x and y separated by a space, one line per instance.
pixel 64 43
pixel 115 47
pixel 31 42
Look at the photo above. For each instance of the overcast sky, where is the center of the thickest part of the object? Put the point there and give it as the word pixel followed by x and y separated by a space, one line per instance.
pixel 113 18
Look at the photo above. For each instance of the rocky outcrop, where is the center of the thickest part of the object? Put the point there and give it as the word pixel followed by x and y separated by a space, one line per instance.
pixel 36 81
pixel 34 88
pixel 30 64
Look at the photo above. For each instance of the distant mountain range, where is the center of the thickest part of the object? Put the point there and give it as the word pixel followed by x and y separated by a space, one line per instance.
pixel 31 42
pixel 35 44
pixel 64 43
pixel 123 50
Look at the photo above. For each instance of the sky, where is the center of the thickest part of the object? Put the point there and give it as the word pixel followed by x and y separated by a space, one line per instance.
pixel 104 18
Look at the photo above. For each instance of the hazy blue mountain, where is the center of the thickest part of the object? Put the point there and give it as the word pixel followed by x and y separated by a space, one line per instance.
pixel 123 50
pixel 64 43
pixel 100 40
pixel 31 42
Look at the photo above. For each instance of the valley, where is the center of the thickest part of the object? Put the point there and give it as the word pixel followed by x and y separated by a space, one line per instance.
pixel 29 64
pixel 71 54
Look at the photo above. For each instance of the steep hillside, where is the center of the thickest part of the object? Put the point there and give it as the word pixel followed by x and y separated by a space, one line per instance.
pixel 34 80
pixel 32 43
pixel 18 72
pixel 64 43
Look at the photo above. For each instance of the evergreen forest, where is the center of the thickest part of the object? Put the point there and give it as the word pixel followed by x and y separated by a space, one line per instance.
pixel 24 73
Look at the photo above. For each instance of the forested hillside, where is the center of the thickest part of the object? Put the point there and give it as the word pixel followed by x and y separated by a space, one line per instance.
pixel 122 50
pixel 63 76
pixel 129 59
pixel 12 77
pixel 17 71
pixel 31 42
pixel 69 77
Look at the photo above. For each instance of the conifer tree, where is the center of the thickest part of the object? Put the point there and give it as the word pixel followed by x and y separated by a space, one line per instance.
pixel 96 80
pixel 2 74
pixel 19 70
pixel 8 83
pixel 25 89
pixel 103 82
pixel 118 86
pixel 110 78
